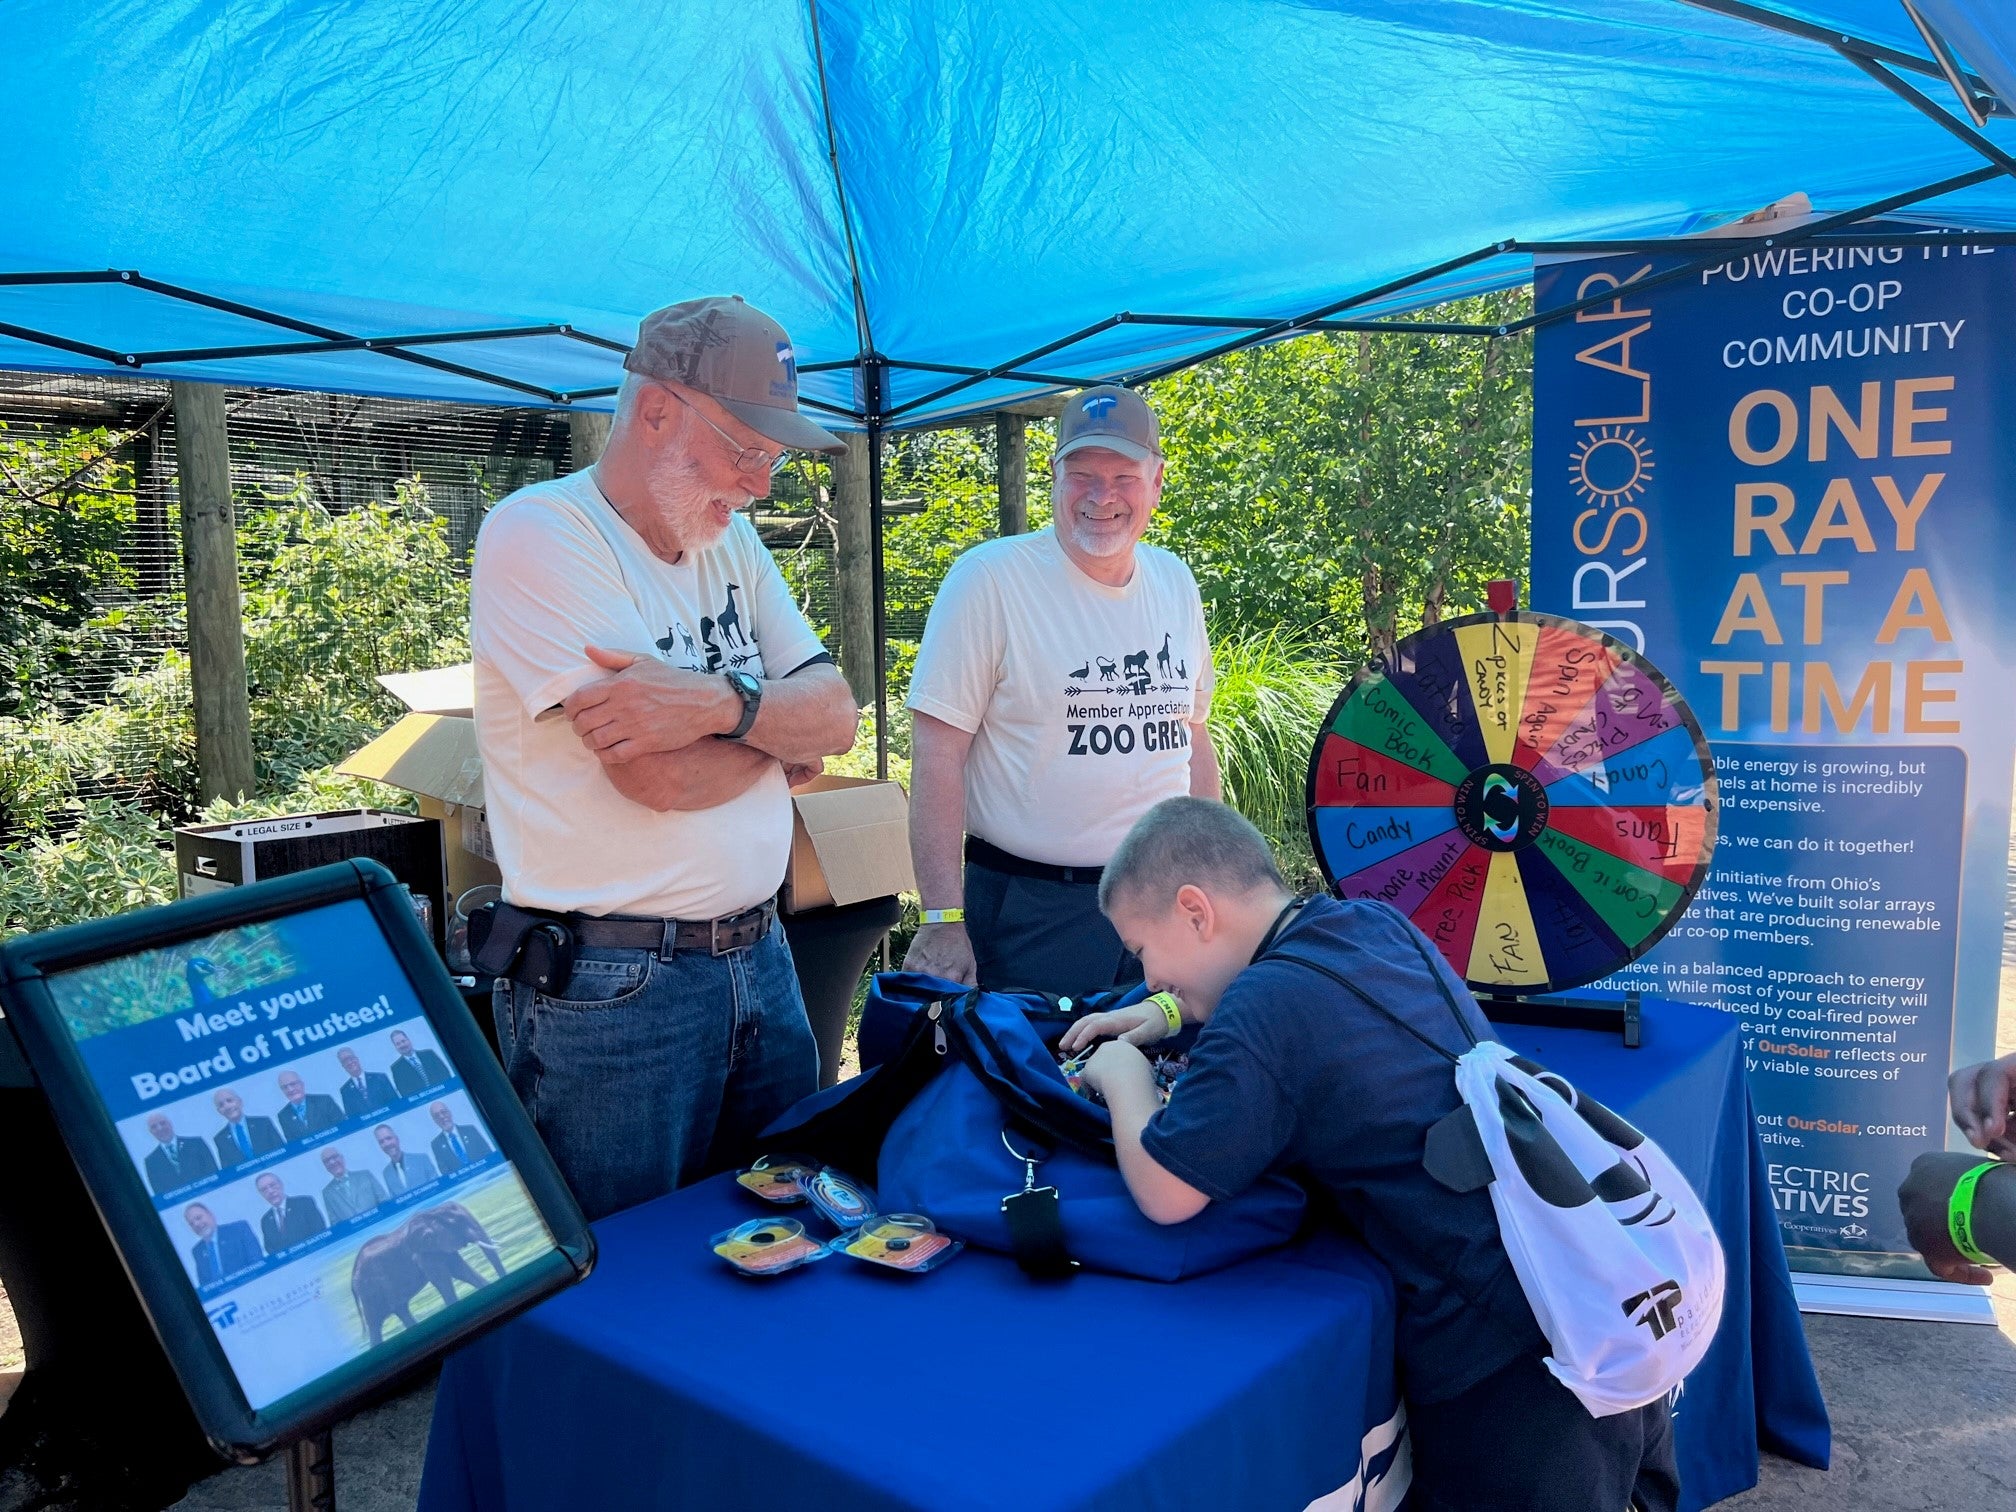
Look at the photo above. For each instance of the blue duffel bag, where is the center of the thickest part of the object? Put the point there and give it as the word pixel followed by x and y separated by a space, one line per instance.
pixel 964 1089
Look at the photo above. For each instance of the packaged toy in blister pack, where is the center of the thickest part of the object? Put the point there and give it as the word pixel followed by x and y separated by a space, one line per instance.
pixel 768 1246
pixel 841 1200
pixel 901 1242
pixel 778 1178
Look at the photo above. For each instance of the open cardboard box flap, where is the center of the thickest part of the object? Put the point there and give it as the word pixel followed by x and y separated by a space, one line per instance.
pixel 438 690
pixel 430 754
pixel 850 843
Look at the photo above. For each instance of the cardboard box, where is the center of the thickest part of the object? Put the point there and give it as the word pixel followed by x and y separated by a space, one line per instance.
pixel 434 756
pixel 850 842
pixel 211 856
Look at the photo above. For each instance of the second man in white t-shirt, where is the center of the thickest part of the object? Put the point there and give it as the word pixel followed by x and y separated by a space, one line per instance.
pixel 1060 692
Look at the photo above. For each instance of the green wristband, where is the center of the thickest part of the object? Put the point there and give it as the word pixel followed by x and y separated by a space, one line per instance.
pixel 1171 1010
pixel 1960 1213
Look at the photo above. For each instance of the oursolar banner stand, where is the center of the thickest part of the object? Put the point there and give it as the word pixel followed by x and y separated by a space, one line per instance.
pixel 1532 793
pixel 308 1161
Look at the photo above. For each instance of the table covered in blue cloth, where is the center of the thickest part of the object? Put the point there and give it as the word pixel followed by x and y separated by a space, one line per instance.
pixel 667 1381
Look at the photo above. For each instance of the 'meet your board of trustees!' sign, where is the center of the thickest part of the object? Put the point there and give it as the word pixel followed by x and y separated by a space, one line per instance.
pixel 1789 478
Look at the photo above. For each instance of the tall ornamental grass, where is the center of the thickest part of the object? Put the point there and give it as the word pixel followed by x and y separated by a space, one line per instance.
pixel 1274 687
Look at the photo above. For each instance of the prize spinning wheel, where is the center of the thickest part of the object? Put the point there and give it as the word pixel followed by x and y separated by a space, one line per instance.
pixel 1530 792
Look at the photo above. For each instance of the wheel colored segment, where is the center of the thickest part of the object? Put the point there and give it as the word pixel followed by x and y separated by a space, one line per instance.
pixel 1428 671
pixel 1507 950
pixel 1349 774
pixel 1568 667
pixel 1379 719
pixel 1662 773
pixel 1496 659
pixel 1407 879
pixel 1578 942
pixel 1448 915
pixel 1355 838
pixel 1667 841
pixel 1634 705
pixel 1630 900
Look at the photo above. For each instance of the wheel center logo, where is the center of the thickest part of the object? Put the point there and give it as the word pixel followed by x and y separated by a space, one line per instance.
pixel 1501 808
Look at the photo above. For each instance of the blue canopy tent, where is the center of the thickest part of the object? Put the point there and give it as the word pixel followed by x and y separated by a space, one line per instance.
pixel 950 205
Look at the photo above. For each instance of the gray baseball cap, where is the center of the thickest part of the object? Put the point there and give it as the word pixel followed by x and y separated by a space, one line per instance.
pixel 739 357
pixel 1115 418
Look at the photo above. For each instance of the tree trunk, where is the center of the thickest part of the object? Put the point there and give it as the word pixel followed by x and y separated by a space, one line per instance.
pixel 854 570
pixel 587 434
pixel 210 582
pixel 1011 449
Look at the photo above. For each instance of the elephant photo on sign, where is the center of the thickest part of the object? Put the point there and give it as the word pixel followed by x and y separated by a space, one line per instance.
pixel 426 1250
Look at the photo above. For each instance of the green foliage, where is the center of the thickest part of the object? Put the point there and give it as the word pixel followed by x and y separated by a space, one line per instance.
pixel 64 506
pixel 113 858
pixel 1272 692
pixel 1351 487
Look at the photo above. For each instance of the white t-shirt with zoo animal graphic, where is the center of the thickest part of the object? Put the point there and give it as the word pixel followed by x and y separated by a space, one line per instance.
pixel 1079 697
pixel 558 570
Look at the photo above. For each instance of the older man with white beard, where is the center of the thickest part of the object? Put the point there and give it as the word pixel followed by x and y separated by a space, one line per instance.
pixel 644 683
pixel 1060 693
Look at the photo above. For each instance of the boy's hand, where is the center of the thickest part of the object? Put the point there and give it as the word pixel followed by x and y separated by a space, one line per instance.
pixel 1983 1097
pixel 1117 1062
pixel 1140 1024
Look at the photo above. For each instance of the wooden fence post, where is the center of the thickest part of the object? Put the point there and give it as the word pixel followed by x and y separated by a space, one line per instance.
pixel 210 583
pixel 1011 449
pixel 854 569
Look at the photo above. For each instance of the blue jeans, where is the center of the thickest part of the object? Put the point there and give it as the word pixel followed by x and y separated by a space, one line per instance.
pixel 644 1073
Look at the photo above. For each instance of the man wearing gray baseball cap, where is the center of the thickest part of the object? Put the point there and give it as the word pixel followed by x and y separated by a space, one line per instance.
pixel 644 683
pixel 1060 692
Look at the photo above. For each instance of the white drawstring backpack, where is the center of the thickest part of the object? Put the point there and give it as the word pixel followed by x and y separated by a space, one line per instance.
pixel 1610 1244
pixel 1613 1249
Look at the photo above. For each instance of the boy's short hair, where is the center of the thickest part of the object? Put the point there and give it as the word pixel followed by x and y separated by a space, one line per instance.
pixel 1182 841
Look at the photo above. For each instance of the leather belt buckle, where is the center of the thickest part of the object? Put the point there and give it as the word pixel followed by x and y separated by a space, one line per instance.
pixel 715 947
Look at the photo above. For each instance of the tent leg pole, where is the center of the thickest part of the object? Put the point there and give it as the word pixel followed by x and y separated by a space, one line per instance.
pixel 872 372
pixel 311 1473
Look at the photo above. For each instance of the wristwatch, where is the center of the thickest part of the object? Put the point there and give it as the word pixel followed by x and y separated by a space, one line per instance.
pixel 750 691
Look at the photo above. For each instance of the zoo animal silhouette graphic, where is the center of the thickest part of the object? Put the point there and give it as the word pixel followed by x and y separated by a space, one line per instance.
pixel 1162 656
pixel 729 621
pixel 691 652
pixel 425 1250
pixel 1082 673
pixel 1135 665
pixel 1107 670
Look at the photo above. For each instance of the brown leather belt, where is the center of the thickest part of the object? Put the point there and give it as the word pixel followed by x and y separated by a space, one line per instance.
pixel 663 937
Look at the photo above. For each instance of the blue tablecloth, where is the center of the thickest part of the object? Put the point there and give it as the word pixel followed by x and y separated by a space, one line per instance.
pixel 1686 1088
pixel 667 1381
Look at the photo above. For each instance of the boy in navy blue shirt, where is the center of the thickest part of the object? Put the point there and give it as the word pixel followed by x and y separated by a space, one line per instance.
pixel 1293 1069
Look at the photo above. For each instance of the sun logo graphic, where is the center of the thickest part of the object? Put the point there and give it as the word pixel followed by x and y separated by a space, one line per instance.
pixel 1611 464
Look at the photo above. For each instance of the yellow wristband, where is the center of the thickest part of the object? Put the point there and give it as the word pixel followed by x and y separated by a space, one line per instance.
pixel 944 916
pixel 1171 1010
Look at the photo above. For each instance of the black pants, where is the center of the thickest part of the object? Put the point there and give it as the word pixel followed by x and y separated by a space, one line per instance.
pixel 1030 932
pixel 1519 1441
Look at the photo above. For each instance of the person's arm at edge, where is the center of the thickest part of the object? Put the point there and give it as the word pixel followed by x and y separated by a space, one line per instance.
pixel 1206 781
pixel 1925 1198
pixel 1120 1074
pixel 806 714
pixel 938 753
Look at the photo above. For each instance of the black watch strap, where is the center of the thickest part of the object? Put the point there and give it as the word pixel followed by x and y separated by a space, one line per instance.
pixel 751 693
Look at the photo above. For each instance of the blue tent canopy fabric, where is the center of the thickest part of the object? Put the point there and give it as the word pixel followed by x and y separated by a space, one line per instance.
pixel 945 183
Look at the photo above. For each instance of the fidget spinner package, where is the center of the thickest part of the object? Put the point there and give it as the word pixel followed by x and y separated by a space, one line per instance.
pixel 901 1242
pixel 768 1246
pixel 778 1178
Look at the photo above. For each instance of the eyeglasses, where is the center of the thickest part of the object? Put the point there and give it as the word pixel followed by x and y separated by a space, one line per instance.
pixel 748 459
